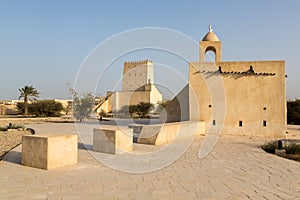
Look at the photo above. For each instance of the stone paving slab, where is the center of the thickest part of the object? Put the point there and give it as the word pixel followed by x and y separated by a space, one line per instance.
pixel 236 169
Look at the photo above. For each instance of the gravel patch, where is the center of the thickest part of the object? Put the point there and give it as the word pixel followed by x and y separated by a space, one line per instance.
pixel 9 140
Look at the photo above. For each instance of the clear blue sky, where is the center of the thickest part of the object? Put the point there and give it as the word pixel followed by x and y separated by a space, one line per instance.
pixel 43 43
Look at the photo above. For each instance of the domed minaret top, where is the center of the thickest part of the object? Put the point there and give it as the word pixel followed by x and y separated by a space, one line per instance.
pixel 210 36
pixel 211 42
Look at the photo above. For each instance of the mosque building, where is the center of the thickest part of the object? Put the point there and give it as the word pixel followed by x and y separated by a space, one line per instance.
pixel 241 97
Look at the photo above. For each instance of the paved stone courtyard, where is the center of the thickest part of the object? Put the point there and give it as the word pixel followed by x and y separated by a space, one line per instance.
pixel 236 169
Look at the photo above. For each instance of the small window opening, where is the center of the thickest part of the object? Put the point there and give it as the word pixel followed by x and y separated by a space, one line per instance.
pixel 214 122
pixel 264 123
pixel 240 123
pixel 265 108
pixel 209 105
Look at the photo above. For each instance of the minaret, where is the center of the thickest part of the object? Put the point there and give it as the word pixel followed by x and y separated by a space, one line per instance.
pixel 211 42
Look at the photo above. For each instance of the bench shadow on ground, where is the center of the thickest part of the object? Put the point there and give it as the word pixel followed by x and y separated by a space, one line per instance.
pixel 13 157
pixel 16 156
pixel 85 146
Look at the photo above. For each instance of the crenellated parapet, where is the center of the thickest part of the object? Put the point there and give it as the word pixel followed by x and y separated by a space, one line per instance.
pixel 138 62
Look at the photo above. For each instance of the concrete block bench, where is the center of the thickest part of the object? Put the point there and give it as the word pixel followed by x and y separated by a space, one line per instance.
pixel 112 141
pixel 49 151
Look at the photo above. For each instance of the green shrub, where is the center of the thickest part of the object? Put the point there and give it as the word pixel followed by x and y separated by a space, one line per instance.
pixel 3 128
pixel 46 108
pixel 43 108
pixel 102 113
pixel 13 126
pixel 293 148
pixel 295 157
pixel 21 107
pixel 83 106
pixel 293 112
pixel 270 147
pixel 141 110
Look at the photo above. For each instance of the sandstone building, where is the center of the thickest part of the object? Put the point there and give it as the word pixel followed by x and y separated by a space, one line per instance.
pixel 137 86
pixel 242 97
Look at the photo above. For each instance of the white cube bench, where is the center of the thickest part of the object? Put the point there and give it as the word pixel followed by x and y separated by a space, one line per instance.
pixel 112 141
pixel 49 151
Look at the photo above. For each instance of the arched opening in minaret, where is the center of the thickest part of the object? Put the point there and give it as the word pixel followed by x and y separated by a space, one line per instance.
pixel 210 54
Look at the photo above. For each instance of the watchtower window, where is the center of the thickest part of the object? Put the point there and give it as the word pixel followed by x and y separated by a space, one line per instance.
pixel 214 122
pixel 264 123
pixel 240 123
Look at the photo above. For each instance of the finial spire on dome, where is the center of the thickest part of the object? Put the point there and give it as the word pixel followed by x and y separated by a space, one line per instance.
pixel 210 36
pixel 210 28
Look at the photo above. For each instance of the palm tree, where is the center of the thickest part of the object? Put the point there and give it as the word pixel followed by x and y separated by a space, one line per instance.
pixel 28 93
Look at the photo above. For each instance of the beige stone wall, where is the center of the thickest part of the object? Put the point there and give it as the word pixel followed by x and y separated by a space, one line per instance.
pixel 11 109
pixel 137 74
pixel 250 99
pixel 2 110
pixel 178 109
pixel 155 95
pixel 104 106
pixel 130 98
pixel 171 131
pixel 119 99
pixel 65 104
pixel 114 101
pixel 160 134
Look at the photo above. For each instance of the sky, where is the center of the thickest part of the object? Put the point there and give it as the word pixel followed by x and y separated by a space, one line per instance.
pixel 45 43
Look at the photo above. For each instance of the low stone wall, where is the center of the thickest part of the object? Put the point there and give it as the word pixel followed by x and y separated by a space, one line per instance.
pixel 160 134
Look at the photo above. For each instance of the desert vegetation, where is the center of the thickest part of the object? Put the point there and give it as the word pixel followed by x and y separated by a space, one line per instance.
pixel 291 147
pixel 293 112
pixel 140 110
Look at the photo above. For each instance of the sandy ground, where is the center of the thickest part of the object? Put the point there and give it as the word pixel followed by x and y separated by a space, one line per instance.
pixel 24 121
pixel 9 140
pixel 293 131
pixel 236 168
